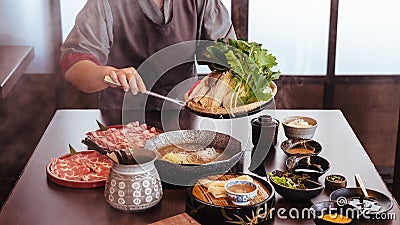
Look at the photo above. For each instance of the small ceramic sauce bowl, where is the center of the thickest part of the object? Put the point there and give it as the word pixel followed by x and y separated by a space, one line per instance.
pixel 240 192
pixel 335 181
pixel 299 146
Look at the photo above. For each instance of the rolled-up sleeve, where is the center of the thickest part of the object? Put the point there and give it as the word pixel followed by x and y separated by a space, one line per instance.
pixel 216 21
pixel 90 38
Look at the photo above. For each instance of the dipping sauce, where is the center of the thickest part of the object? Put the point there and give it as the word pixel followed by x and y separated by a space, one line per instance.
pixel 241 188
pixel 294 151
pixel 336 218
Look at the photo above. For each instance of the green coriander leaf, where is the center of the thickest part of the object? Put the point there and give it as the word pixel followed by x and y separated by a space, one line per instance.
pixel 235 63
pixel 101 126
pixel 72 151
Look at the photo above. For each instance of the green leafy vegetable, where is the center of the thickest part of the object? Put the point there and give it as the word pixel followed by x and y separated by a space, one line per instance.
pixel 101 126
pixel 72 151
pixel 289 180
pixel 251 67
pixel 335 178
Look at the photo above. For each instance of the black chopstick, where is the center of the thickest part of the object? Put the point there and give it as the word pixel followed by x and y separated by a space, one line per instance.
pixel 97 148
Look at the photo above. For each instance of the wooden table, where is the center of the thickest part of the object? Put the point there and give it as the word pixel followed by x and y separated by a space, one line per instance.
pixel 13 62
pixel 35 200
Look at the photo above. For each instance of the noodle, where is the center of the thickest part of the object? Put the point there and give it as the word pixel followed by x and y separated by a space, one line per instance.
pixel 177 155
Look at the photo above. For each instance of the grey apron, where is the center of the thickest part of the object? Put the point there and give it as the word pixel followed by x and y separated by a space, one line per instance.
pixel 137 37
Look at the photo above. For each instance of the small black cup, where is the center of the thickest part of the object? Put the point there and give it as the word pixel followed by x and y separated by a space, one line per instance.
pixel 264 131
pixel 264 137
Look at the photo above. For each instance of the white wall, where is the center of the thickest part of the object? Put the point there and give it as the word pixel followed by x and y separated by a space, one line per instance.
pixel 27 22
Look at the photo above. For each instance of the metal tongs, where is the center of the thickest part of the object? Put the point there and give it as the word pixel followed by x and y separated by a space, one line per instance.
pixel 108 80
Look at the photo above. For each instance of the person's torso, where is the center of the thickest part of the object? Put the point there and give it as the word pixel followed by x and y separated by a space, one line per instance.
pixel 137 37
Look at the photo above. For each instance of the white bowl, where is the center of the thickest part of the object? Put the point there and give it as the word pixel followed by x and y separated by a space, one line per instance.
pixel 293 131
pixel 241 197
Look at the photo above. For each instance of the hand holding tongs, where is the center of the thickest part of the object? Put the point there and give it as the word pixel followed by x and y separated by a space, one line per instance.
pixel 107 79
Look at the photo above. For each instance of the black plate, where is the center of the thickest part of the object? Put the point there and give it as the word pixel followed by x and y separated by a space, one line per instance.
pixel 355 194
pixel 236 115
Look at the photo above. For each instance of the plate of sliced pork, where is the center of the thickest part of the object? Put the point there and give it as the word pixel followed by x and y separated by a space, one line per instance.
pixel 85 169
pixel 130 135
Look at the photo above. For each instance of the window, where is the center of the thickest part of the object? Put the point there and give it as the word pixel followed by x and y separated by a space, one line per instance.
pixel 69 10
pixel 296 32
pixel 368 37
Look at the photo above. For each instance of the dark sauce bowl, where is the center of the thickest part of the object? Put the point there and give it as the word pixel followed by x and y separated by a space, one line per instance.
pixel 313 147
pixel 312 165
pixel 335 181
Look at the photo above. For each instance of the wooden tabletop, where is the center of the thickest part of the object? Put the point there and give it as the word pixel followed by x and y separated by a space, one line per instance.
pixel 36 200
pixel 13 62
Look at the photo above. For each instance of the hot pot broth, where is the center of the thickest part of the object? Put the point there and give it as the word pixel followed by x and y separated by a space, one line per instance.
pixel 193 154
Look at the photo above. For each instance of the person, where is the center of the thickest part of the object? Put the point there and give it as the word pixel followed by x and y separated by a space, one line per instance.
pixel 115 37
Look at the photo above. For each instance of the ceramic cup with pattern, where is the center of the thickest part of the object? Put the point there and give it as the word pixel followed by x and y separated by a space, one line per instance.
pixel 135 187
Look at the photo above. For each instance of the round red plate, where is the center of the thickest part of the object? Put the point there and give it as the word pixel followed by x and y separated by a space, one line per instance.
pixel 74 183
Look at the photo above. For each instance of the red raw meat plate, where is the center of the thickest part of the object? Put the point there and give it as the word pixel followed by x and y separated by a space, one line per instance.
pixel 131 135
pixel 85 169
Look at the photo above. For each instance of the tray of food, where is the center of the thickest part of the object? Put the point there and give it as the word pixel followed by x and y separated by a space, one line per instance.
pixel 241 84
pixel 230 198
